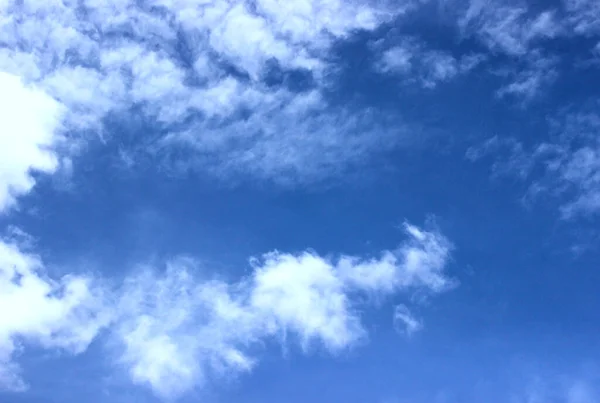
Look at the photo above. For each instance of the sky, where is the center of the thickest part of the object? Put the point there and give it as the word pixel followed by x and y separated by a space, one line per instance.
pixel 244 201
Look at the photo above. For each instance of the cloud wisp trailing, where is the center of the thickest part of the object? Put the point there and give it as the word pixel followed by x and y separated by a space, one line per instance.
pixel 566 167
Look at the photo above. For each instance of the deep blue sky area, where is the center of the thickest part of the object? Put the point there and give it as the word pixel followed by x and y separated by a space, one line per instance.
pixel 310 200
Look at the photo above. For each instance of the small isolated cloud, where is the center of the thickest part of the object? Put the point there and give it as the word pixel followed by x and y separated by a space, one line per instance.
pixel 511 157
pixel 532 78
pixel 416 63
pixel 405 322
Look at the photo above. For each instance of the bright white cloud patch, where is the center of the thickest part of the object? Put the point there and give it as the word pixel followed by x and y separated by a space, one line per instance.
pixel 29 120
pixel 176 331
pixel 173 330
pixel 65 314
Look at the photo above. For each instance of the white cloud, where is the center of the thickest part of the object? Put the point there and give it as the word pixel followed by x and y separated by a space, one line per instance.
pixel 65 314
pixel 173 59
pixel 418 262
pixel 584 16
pixel 566 167
pixel 396 59
pixel 510 29
pixel 405 322
pixel 272 142
pixel 516 35
pixel 29 129
pixel 304 295
pixel 175 331
pixel 530 79
pixel 580 169
pixel 415 62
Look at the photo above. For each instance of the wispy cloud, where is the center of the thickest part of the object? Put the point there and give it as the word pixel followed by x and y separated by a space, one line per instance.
pixel 566 390
pixel 583 16
pixel 535 74
pixel 512 42
pixel 510 29
pixel 567 166
pixel 405 321
pixel 415 62
pixel 197 73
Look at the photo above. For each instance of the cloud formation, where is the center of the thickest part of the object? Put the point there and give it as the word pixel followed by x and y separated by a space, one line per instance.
pixel 66 314
pixel 172 330
pixel 211 80
pixel 29 130
pixel 566 167
pixel 517 41
pixel 417 63
pixel 199 73
pixel 176 331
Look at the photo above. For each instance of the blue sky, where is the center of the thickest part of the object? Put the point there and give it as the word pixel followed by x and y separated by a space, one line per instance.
pixel 306 200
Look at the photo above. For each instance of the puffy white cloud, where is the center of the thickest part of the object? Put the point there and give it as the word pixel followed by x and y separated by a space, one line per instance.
pixel 29 129
pixel 418 262
pixel 174 331
pixel 304 295
pixel 66 314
